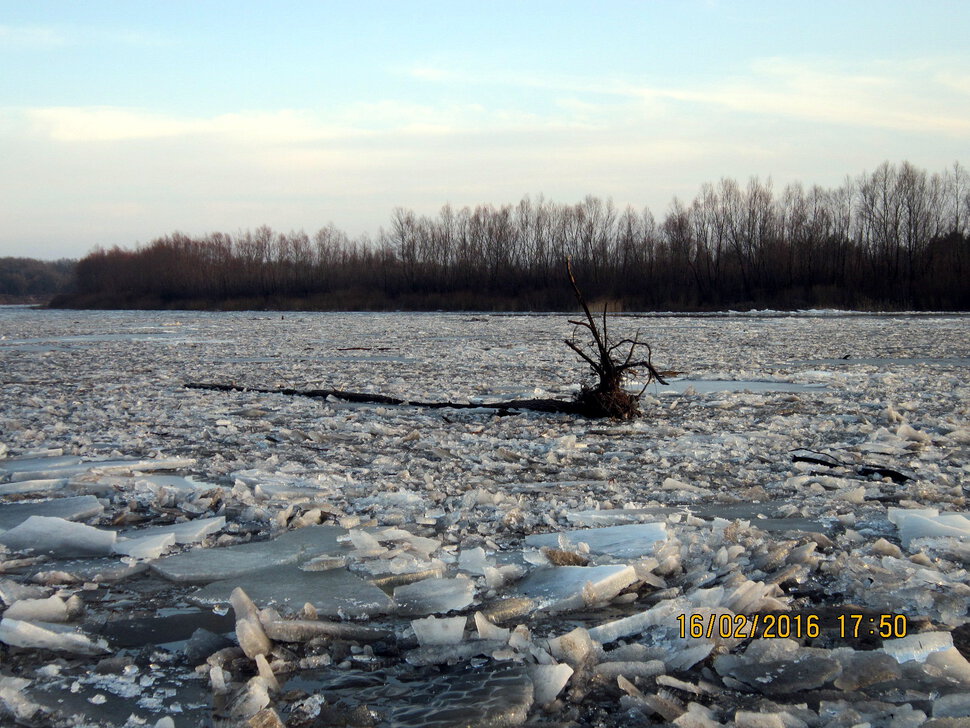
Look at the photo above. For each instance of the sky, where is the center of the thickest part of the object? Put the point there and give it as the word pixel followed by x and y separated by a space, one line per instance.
pixel 125 121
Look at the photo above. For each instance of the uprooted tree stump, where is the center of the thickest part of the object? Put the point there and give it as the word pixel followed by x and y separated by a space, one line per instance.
pixel 612 362
pixel 607 398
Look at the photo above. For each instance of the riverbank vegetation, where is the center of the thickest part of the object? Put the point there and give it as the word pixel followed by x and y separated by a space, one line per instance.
pixel 895 238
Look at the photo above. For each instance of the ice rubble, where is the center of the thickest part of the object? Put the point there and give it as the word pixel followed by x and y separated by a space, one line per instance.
pixel 354 543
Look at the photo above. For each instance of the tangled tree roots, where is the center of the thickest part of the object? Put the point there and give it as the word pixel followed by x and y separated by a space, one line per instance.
pixel 608 398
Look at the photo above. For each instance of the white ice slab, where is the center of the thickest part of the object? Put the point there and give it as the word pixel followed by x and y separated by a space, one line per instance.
pixel 46 485
pixel 333 593
pixel 71 509
pixel 561 588
pixel 186 532
pixel 68 466
pixel 20 633
pixel 917 646
pixel 439 630
pixel 201 566
pixel 929 523
pixel 434 596
pixel 549 680
pixel 58 537
pixel 625 542
pixel 145 547
pixel 52 609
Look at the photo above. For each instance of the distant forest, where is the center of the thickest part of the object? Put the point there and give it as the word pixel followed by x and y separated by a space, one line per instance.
pixel 895 238
pixel 26 280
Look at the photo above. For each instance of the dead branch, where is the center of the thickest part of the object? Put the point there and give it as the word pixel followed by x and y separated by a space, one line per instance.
pixel 608 398
pixel 535 405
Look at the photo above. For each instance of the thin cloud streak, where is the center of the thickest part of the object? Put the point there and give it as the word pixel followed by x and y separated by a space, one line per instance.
pixel 923 96
pixel 31 37
pixel 55 37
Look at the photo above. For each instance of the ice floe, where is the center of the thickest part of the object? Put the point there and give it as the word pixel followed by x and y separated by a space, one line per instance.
pixel 781 541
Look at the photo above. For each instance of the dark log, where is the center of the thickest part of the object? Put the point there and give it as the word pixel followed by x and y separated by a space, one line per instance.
pixel 559 406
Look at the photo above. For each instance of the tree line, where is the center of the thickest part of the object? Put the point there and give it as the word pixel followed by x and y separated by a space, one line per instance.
pixel 895 238
pixel 29 280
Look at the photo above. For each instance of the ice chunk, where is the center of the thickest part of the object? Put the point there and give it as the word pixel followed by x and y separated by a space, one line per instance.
pixel 663 613
pixel 616 516
pixel 561 588
pixel 324 563
pixel 439 631
pixel 951 662
pixel 59 537
pixel 52 609
pixel 917 646
pixel 548 681
pixel 434 596
pixel 442 654
pixel 201 566
pixel 44 485
pixel 624 542
pixel 915 526
pixel 332 593
pixel 251 699
pixel 28 467
pixel 365 543
pixel 955 705
pixel 186 532
pixel 249 630
pixel 487 630
pixel 783 677
pixel 49 637
pixel 68 466
pixel 473 560
pixel 862 669
pixel 574 647
pixel 145 547
pixel 11 591
pixel 303 630
pixel 906 432
pixel 750 719
pixel 13 698
pixel 629 669
pixel 70 509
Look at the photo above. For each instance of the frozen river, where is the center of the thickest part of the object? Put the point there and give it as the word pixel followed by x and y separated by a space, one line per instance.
pixel 402 565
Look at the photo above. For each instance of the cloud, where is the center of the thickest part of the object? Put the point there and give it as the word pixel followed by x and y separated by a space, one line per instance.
pixel 360 122
pixel 47 38
pixel 31 37
pixel 926 95
pixel 80 124
pixel 899 97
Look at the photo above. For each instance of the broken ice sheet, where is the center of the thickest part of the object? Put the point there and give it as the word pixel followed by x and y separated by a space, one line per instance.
pixel 439 631
pixel 145 547
pixel 76 508
pixel 59 537
pixel 625 542
pixel 67 466
pixel 929 523
pixel 563 588
pixel 48 636
pixel 434 596
pixel 185 532
pixel 201 566
pixel 333 593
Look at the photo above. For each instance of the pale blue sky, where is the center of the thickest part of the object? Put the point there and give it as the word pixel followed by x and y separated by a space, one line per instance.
pixel 123 121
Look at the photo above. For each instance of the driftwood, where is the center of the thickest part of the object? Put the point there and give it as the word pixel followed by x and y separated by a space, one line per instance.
pixel 607 398
pixel 560 406
pixel 834 466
